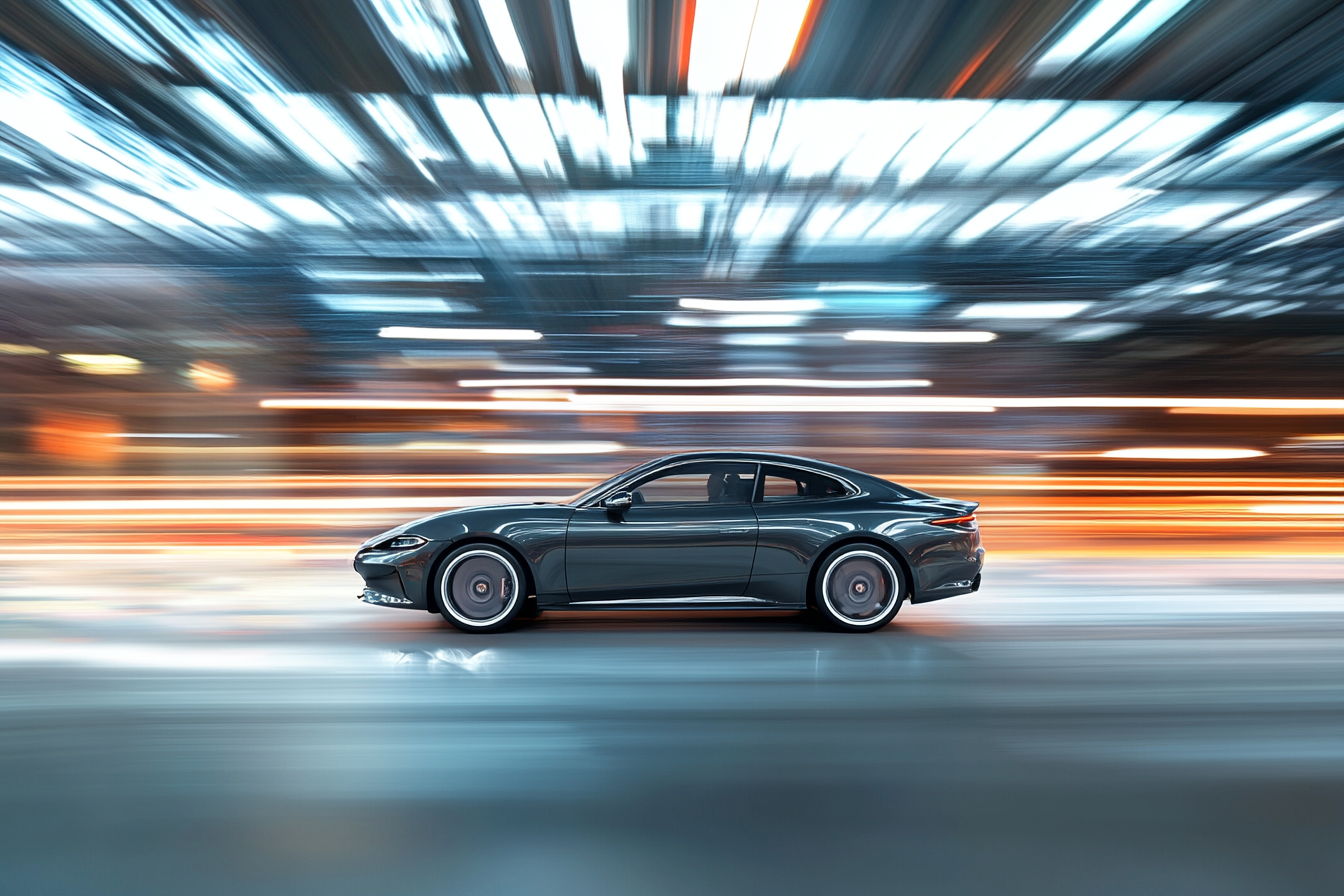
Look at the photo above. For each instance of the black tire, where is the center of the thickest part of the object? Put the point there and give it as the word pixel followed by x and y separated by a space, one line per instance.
pixel 480 588
pixel 858 588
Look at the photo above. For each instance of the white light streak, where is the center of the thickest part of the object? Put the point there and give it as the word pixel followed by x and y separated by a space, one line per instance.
pixel 1182 453
pixel 482 334
pixel 1075 42
pixel 752 305
pixel 394 276
pixel 118 31
pixel 742 42
pixel 829 403
pixel 1304 234
pixel 428 30
pixel 303 209
pixel 736 320
pixel 503 34
pixel 926 336
pixel 391 304
pixel 985 220
pixel 1138 29
pixel 313 127
pixel 103 365
pixel 525 132
pixel 863 286
pixel 398 125
pixel 1266 211
pixel 473 133
pixel 691 383
pixel 1024 310
pixel 518 447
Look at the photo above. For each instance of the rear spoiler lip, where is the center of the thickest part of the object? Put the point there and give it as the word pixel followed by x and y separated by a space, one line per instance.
pixel 950 506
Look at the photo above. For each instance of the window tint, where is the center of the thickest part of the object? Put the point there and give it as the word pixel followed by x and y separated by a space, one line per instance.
pixel 786 484
pixel 700 483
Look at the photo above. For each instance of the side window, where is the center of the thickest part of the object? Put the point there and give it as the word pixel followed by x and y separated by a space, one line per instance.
pixel 700 483
pixel 787 484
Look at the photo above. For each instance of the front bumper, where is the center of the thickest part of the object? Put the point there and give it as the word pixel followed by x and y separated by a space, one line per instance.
pixel 394 578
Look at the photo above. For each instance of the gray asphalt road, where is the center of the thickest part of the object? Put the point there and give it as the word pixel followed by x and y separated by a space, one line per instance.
pixel 188 725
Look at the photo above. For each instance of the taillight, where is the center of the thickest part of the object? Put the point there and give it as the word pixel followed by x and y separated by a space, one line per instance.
pixel 965 522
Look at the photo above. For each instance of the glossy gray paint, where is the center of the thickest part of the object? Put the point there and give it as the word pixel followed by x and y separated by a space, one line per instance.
pixel 702 555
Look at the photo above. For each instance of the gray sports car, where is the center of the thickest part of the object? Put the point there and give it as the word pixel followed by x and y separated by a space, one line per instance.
pixel 707 530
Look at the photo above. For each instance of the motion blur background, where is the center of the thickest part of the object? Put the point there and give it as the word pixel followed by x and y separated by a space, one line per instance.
pixel 276 274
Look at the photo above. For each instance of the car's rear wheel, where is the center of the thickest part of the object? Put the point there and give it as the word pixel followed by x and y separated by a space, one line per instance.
pixel 480 588
pixel 858 588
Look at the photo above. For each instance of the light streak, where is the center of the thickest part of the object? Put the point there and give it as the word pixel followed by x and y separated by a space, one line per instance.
pixel 459 334
pixel 772 403
pixel 693 383
pixel 924 336
pixel 1182 453
pixel 752 305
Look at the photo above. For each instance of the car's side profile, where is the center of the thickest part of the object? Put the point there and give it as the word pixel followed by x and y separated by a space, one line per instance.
pixel 707 530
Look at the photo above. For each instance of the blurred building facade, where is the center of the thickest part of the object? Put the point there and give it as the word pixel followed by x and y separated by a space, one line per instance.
pixel 419 235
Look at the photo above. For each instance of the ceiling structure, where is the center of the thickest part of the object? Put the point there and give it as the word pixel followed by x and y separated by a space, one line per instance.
pixel 395 188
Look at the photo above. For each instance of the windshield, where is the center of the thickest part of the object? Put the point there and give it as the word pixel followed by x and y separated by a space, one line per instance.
pixel 584 495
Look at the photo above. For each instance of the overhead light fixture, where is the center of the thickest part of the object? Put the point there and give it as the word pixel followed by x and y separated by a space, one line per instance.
pixel 401 129
pixel 742 42
pixel 927 336
pixel 1024 310
pixel 752 305
pixel 460 334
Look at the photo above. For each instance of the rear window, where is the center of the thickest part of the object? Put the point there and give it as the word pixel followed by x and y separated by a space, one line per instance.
pixel 786 484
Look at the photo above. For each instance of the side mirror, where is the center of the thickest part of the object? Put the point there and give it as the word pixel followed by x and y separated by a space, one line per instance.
pixel 618 501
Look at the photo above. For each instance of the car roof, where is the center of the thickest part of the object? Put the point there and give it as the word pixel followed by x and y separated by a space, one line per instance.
pixel 820 466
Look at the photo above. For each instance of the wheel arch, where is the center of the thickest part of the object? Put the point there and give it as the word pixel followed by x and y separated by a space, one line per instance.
pixel 869 538
pixel 431 582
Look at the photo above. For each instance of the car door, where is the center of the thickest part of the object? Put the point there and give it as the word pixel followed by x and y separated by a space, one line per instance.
pixel 690 532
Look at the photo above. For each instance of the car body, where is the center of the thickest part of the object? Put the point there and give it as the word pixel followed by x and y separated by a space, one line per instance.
pixel 732 530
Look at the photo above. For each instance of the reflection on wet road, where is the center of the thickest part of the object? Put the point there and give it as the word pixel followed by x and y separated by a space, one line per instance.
pixel 185 724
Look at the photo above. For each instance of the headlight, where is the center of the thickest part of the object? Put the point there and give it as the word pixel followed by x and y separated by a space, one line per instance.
pixel 398 543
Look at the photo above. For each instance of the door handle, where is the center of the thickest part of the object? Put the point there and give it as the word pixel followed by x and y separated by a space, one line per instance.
pixel 743 531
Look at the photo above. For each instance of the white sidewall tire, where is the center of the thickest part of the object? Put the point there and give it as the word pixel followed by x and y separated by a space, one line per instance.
pixel 501 620
pixel 827 609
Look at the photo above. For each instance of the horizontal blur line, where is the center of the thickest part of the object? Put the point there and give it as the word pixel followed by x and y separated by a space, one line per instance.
pixel 149 504
pixel 460 334
pixel 1258 412
pixel 725 383
pixel 774 403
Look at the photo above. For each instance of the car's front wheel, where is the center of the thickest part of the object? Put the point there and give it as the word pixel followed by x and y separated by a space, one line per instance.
pixel 480 588
pixel 858 588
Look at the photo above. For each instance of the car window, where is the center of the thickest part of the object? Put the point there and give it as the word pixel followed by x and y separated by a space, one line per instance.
pixel 786 484
pixel 700 483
